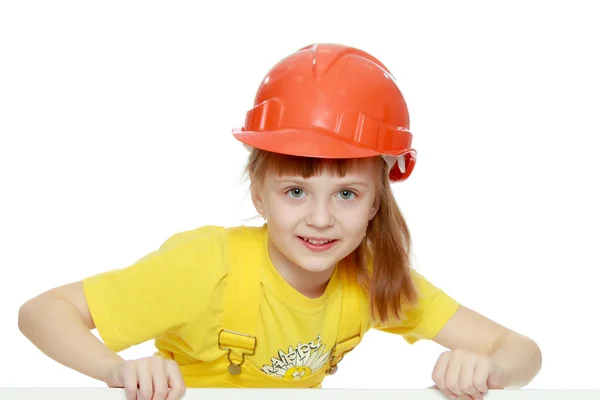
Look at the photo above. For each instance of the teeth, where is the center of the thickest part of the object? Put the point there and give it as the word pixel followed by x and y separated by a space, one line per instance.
pixel 317 242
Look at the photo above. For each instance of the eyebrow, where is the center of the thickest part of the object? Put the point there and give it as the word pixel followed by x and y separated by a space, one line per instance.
pixel 303 182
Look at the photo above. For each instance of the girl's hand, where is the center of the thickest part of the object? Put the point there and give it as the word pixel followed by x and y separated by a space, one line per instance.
pixel 461 374
pixel 155 377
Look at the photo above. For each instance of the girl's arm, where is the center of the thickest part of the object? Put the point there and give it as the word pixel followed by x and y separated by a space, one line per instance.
pixel 59 323
pixel 476 340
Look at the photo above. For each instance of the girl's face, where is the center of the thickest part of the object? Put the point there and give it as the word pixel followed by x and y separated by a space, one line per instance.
pixel 315 222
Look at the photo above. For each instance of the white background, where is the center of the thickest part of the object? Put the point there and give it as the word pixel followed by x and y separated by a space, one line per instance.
pixel 115 121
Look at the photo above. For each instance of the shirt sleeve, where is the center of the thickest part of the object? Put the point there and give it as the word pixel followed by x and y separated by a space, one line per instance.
pixel 162 292
pixel 425 318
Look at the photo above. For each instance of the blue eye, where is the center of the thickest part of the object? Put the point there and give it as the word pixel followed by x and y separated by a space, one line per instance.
pixel 296 192
pixel 347 194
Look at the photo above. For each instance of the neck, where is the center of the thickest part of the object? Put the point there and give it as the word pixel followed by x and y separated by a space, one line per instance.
pixel 310 284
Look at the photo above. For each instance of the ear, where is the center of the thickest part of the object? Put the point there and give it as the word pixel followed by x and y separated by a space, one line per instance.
pixel 375 209
pixel 255 192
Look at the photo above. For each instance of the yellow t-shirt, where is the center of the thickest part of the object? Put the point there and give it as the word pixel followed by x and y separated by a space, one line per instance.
pixel 175 296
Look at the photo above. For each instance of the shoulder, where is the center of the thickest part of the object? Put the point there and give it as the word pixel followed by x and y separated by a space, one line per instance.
pixel 181 250
pixel 204 235
pixel 431 299
pixel 425 288
pixel 214 235
pixel 205 245
pixel 212 244
pixel 426 317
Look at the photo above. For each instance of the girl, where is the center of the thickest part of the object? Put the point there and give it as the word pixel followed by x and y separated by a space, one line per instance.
pixel 280 305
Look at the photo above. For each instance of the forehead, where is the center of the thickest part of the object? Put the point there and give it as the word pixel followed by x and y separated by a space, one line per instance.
pixel 332 170
pixel 308 167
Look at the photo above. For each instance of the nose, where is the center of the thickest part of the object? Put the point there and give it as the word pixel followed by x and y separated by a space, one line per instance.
pixel 320 215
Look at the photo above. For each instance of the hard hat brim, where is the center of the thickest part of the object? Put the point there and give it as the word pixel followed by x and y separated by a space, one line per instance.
pixel 304 143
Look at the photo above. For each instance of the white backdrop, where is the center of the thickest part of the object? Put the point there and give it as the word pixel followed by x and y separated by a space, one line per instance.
pixel 115 121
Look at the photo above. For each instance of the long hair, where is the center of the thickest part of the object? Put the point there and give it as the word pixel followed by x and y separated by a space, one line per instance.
pixel 381 263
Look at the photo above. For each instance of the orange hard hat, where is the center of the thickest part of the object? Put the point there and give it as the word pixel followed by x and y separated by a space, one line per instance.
pixel 331 101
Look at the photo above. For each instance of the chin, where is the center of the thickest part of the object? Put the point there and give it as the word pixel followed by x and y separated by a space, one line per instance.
pixel 316 263
pixel 316 267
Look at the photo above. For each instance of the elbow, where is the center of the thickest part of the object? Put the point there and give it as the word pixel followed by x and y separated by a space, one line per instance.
pixel 522 357
pixel 531 359
pixel 536 351
pixel 26 312
pixel 30 314
pixel 531 350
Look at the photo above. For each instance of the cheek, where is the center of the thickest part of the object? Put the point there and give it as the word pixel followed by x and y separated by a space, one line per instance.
pixel 354 219
pixel 282 218
pixel 284 212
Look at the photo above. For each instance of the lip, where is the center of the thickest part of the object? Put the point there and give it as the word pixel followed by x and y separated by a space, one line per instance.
pixel 318 248
pixel 315 238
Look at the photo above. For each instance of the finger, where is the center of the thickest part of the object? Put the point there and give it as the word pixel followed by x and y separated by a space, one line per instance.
pixel 159 379
pixel 447 393
pixel 175 381
pixel 129 376
pixel 453 374
pixel 480 377
pixel 144 377
pixel 439 374
pixel 467 373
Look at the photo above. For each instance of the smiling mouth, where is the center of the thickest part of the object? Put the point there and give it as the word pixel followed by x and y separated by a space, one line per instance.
pixel 317 242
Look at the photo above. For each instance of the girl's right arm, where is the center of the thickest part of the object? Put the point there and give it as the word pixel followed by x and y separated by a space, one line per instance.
pixel 59 323
pixel 161 292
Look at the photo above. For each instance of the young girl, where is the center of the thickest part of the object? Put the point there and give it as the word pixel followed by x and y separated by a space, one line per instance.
pixel 280 305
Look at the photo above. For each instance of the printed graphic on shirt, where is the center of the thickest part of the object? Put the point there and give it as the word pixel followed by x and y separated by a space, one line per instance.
pixel 299 362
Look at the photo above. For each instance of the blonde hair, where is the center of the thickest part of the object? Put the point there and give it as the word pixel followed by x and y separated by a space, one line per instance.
pixel 381 263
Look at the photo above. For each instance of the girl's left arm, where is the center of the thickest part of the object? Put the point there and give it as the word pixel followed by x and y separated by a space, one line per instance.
pixel 483 355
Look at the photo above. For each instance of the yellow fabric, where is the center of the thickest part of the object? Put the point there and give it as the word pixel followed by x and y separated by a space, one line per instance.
pixel 427 317
pixel 240 314
pixel 177 296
